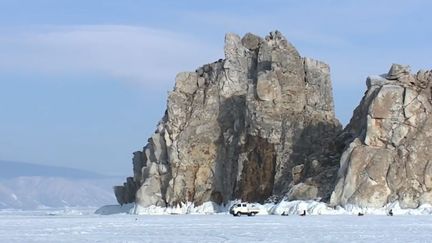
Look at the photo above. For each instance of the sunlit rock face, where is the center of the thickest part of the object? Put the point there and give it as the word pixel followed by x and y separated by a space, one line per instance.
pixel 388 157
pixel 258 124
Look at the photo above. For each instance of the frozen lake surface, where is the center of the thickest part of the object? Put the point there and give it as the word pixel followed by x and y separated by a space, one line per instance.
pixel 42 227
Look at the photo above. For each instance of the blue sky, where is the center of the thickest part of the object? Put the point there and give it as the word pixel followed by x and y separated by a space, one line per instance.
pixel 84 83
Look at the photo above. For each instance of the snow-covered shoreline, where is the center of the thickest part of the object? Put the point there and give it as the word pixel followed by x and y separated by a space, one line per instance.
pixel 287 207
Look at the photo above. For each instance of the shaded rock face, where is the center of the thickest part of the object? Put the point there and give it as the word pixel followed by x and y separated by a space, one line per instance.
pixel 238 127
pixel 388 155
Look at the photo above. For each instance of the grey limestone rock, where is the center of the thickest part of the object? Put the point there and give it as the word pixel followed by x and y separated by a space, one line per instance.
pixel 302 191
pixel 388 154
pixel 236 129
pixel 397 71
pixel 297 173
pixel 260 125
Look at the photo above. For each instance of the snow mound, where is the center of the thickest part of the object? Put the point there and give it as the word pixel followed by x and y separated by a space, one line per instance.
pixel 298 207
pixel 184 208
pixel 283 207
pixel 320 208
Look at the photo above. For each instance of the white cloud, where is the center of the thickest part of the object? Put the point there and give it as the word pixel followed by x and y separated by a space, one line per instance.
pixel 126 52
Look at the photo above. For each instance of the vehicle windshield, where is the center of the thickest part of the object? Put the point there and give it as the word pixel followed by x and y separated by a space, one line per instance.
pixel 235 205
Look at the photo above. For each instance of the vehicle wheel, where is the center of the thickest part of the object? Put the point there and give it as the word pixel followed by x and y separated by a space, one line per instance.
pixel 253 214
pixel 250 214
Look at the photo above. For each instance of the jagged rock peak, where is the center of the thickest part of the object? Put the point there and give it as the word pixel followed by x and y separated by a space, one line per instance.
pixel 388 156
pixel 397 71
pixel 258 124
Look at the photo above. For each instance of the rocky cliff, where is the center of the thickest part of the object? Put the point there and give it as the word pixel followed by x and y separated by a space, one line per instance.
pixel 389 153
pixel 258 124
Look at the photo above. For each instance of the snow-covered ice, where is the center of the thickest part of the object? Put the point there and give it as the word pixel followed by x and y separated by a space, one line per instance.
pixel 73 226
pixel 211 223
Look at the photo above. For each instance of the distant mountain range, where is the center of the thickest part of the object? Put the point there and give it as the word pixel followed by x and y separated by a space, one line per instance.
pixel 11 169
pixel 31 186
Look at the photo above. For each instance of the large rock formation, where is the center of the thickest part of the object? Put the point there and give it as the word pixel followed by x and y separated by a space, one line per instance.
pixel 389 155
pixel 257 124
pixel 260 125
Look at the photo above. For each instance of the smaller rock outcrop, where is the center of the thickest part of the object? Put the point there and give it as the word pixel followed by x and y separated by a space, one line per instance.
pixel 388 156
pixel 126 193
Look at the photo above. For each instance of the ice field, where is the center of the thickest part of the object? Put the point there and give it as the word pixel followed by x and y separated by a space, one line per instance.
pixel 88 227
